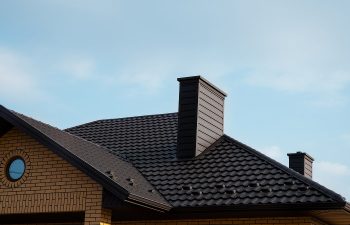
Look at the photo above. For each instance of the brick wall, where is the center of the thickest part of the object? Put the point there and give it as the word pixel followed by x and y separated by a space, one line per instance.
pixel 45 224
pixel 245 221
pixel 253 221
pixel 50 184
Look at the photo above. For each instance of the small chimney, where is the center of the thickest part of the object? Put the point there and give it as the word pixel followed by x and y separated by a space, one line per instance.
pixel 200 117
pixel 302 163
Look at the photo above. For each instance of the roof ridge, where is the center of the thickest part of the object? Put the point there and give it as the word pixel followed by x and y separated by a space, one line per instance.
pixel 66 132
pixel 121 118
pixel 74 136
pixel 17 113
pixel 335 196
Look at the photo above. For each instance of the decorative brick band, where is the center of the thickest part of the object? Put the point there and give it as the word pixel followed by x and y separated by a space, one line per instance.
pixel 51 202
pixel 237 221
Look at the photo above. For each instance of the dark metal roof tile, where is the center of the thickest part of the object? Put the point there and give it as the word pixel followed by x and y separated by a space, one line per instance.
pixel 149 142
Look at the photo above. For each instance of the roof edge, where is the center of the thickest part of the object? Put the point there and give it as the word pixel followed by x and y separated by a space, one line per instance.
pixel 335 196
pixel 263 207
pixel 121 118
pixel 148 203
pixel 61 151
pixel 85 167
pixel 347 207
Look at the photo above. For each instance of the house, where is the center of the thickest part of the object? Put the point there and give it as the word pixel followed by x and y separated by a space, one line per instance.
pixel 176 168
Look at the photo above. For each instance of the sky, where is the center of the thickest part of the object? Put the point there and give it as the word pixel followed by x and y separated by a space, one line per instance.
pixel 284 65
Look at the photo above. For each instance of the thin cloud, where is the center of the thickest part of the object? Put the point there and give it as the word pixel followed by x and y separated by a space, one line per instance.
pixel 327 89
pixel 332 168
pixel 297 55
pixel 346 137
pixel 79 67
pixel 148 75
pixel 17 81
pixel 274 152
pixel 302 81
pixel 91 6
pixel 332 175
pixel 147 78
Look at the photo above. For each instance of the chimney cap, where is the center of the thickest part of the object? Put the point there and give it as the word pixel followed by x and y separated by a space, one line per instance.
pixel 199 77
pixel 301 154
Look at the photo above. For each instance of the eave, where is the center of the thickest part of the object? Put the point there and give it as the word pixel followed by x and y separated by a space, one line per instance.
pixel 107 183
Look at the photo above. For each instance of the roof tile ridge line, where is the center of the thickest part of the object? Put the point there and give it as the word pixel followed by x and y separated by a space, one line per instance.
pixel 141 116
pixel 17 113
pixel 78 137
pixel 314 184
pixel 75 136
pixel 131 164
pixel 203 153
pixel 97 145
pixel 133 196
pixel 121 118
pixel 119 155
pixel 207 150
pixel 153 186
pixel 65 133
pixel 83 124
pixel 108 151
pixel 14 114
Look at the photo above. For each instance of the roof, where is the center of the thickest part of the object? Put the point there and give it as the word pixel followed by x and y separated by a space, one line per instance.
pixel 93 159
pixel 227 174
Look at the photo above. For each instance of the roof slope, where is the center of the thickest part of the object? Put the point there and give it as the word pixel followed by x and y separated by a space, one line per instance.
pixel 95 160
pixel 229 173
pixel 142 140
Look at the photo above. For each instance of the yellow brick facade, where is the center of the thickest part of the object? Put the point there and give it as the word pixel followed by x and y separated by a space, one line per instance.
pixel 253 221
pixel 240 221
pixel 50 184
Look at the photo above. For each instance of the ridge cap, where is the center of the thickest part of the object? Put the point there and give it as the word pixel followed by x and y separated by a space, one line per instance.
pixel 120 118
pixel 324 190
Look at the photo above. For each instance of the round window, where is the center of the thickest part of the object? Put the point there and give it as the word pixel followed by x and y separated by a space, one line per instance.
pixel 16 169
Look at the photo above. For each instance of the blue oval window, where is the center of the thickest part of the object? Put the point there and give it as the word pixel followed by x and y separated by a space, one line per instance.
pixel 16 169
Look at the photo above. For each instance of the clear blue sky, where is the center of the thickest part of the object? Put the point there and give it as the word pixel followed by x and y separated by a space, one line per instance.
pixel 284 64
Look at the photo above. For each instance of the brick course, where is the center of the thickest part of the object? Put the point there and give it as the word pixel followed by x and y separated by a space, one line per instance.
pixel 50 184
pixel 253 221
pixel 235 221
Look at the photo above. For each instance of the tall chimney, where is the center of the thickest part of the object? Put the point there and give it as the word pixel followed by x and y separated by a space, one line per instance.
pixel 302 163
pixel 200 117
